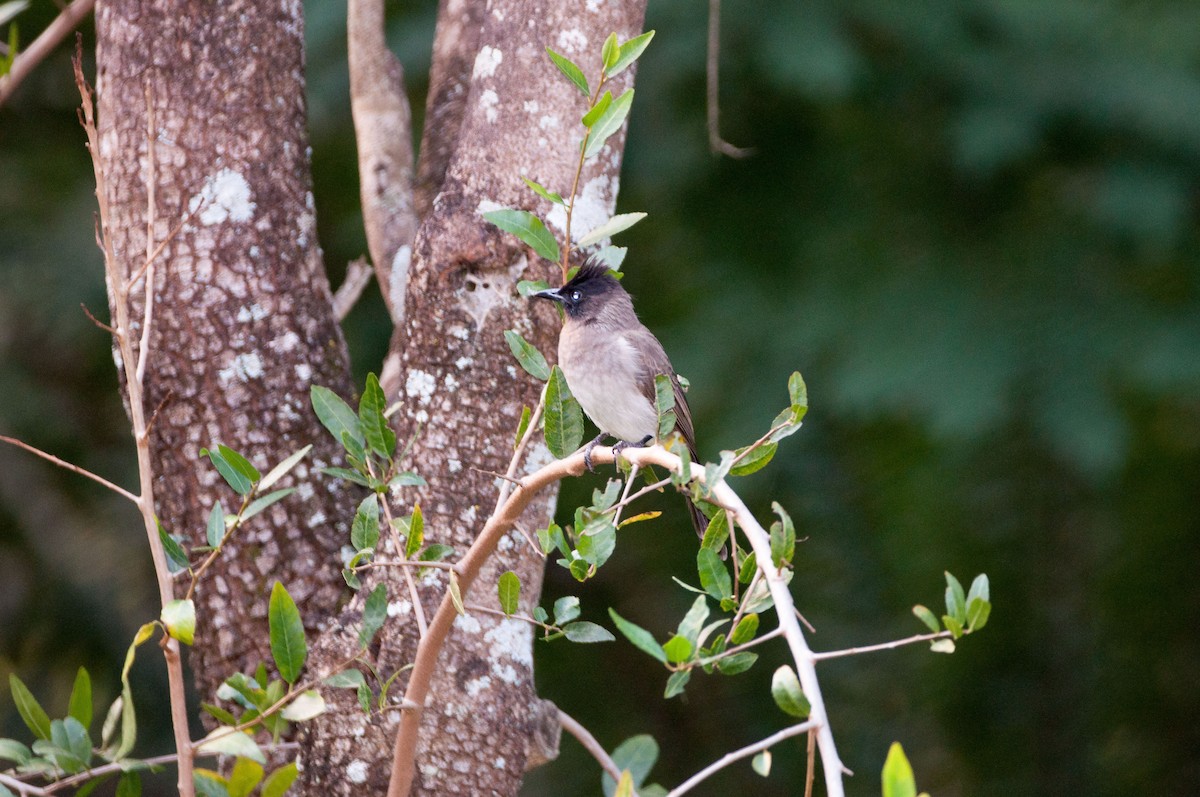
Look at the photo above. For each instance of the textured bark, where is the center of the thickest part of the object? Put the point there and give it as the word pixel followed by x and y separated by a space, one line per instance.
pixel 243 322
pixel 509 113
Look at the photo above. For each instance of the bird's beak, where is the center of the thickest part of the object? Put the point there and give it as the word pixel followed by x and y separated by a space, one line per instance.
pixel 552 294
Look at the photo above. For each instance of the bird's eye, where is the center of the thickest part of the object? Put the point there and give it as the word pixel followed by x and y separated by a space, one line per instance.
pixel 576 296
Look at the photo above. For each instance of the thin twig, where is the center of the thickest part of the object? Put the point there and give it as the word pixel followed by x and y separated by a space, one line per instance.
pixel 737 755
pixel 95 320
pixel 358 275
pixel 475 607
pixel 414 595
pixel 633 472
pixel 43 45
pixel 143 353
pixel 772 634
pixel 121 491
pixel 833 654
pixel 810 773
pixel 650 488
pixel 717 144
pixel 21 786
pixel 408 563
pixel 536 548
pixel 585 738
pixel 519 452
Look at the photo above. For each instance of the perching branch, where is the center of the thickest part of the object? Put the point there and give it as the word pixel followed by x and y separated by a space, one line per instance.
pixel 42 46
pixel 469 567
pixel 833 654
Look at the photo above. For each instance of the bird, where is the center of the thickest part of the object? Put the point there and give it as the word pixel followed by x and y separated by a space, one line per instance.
pixel 610 360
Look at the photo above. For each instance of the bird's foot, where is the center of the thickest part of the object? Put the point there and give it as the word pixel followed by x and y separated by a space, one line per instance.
pixel 624 444
pixel 587 452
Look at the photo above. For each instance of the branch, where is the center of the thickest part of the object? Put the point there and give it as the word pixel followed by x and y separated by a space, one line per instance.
pixel 737 755
pixel 383 132
pixel 122 766
pixel 21 786
pixel 716 144
pixel 430 646
pixel 589 743
pixel 358 274
pixel 41 47
pixel 833 654
pixel 121 491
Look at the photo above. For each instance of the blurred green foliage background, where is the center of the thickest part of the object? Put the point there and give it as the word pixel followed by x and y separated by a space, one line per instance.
pixel 971 225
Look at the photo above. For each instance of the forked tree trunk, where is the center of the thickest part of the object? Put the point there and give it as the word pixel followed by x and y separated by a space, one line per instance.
pixel 243 327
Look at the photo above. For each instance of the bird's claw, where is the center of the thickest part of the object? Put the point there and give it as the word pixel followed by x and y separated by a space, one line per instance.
pixel 587 452
pixel 624 444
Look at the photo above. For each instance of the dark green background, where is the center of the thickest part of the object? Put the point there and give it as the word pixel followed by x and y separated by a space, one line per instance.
pixel 971 225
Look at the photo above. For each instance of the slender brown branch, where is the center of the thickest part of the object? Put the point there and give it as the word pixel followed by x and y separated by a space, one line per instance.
pixel 773 634
pixel 408 563
pixel 522 444
pixel 137 415
pixel 121 491
pixel 358 274
pixel 585 738
pixel 121 766
pixel 717 144
pixel 21 786
pixel 429 647
pixel 413 594
pixel 833 654
pixel 739 754
pixel 810 772
pixel 43 45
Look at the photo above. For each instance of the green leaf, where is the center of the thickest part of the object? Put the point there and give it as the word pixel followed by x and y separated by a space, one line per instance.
pixel 523 426
pixel 898 780
pixel 618 223
pixel 346 679
pixel 583 631
pixel 927 617
pixel 749 566
pixel 435 552
pixel 979 589
pixel 70 735
pixel 348 475
pixel 32 713
pixel 179 616
pixel 263 501
pixel 239 464
pixel 236 743
pixel 564 419
pixel 374 615
pixel 176 556
pixel 279 781
pixel 677 649
pixel 352 580
pixel 529 357
pixel 785 688
pixel 219 714
pixel 952 625
pixel 676 683
pixel 745 630
pixel 692 622
pixel 528 227
pixel 130 785
pixel 371 407
pixel 364 530
pixel 245 776
pixel 508 588
pixel 717 532
pixel 977 613
pixel 942 646
pixel 336 415
pixel 608 123
pixel 541 191
pixel 416 534
pixel 305 706
pixel 80 705
pixel 956 602
pixel 737 663
pixel 573 73
pixel 640 637
pixel 629 52
pixel 714 578
pixel 406 478
pixel 283 468
pixel 216 525
pixel 597 540
pixel 580 569
pixel 637 754
pixel 610 52
pixel 761 763
pixel 596 110
pixel 602 500
pixel 613 257
pixel 288 646
pixel 209 784
pixel 783 537
pixel 797 390
pixel 664 404
pixel 551 538
pixel 12 750
pixel 232 476
pixel 756 460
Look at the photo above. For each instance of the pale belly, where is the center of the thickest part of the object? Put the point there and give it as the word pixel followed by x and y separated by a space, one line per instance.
pixel 602 379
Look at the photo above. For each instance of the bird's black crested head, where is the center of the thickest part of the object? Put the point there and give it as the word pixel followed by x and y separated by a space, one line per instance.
pixel 588 291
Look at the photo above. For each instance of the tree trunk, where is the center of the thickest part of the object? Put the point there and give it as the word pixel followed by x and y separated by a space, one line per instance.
pixel 242 322
pixel 243 326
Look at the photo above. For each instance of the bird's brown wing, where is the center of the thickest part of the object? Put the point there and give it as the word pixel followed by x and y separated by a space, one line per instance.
pixel 654 361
